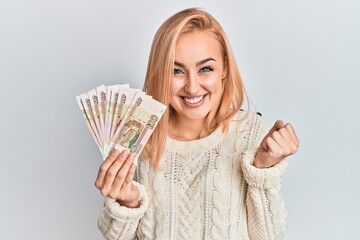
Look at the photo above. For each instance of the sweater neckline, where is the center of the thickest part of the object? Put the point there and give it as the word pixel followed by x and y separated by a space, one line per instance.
pixel 201 144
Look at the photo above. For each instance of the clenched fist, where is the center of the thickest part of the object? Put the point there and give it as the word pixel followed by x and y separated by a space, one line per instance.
pixel 280 142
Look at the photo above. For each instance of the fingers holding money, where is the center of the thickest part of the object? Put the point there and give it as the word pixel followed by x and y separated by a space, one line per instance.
pixel 118 183
pixel 114 172
pixel 104 167
pixel 129 194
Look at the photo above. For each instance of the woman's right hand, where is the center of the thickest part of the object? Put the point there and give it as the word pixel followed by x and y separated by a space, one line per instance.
pixel 115 178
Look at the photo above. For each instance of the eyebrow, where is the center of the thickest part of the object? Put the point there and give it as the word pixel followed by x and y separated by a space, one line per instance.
pixel 197 64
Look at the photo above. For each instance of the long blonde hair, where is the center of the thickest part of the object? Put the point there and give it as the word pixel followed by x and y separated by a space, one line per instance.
pixel 160 69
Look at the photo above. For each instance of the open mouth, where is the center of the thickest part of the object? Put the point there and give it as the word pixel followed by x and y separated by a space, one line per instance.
pixel 194 100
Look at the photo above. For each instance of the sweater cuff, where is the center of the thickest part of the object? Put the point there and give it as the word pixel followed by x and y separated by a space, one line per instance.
pixel 264 178
pixel 122 213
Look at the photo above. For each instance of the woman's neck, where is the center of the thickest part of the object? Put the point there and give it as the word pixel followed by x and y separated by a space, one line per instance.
pixel 183 129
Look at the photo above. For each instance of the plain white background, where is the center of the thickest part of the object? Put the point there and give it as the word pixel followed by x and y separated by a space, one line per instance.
pixel 299 61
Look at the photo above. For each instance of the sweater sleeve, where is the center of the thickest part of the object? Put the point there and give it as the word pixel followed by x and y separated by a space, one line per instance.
pixel 266 212
pixel 119 222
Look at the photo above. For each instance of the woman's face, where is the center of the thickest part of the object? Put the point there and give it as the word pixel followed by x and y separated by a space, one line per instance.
pixel 196 85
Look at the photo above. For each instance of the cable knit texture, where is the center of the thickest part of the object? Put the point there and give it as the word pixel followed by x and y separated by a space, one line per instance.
pixel 205 189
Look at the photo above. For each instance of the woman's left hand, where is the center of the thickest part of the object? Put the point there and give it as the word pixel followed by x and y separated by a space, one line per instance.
pixel 280 142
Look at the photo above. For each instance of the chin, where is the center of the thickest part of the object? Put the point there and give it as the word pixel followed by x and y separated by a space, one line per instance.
pixel 198 116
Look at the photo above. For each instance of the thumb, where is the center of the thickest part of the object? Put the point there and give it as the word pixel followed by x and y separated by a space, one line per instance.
pixel 278 125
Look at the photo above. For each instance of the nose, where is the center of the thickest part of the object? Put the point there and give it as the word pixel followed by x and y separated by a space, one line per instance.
pixel 192 85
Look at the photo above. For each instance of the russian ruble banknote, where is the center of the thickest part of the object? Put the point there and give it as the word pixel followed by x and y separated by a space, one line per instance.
pixel 120 117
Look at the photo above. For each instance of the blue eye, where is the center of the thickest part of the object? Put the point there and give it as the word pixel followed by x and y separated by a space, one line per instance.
pixel 177 71
pixel 206 69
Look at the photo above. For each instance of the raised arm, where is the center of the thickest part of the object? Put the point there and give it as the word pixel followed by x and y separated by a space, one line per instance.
pixel 264 168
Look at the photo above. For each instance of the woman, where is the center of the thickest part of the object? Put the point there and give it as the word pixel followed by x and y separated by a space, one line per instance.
pixel 209 171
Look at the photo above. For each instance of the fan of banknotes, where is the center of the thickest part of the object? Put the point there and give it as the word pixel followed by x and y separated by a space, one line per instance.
pixel 120 117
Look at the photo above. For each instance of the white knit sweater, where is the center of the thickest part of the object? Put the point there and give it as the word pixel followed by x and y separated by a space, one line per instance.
pixel 206 189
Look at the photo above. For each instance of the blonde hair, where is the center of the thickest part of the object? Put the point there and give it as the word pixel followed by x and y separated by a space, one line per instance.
pixel 160 70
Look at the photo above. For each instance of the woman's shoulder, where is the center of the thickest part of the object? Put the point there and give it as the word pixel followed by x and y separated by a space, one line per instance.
pixel 248 120
pixel 249 125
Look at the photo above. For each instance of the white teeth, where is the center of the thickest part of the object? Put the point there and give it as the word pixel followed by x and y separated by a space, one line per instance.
pixel 194 100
